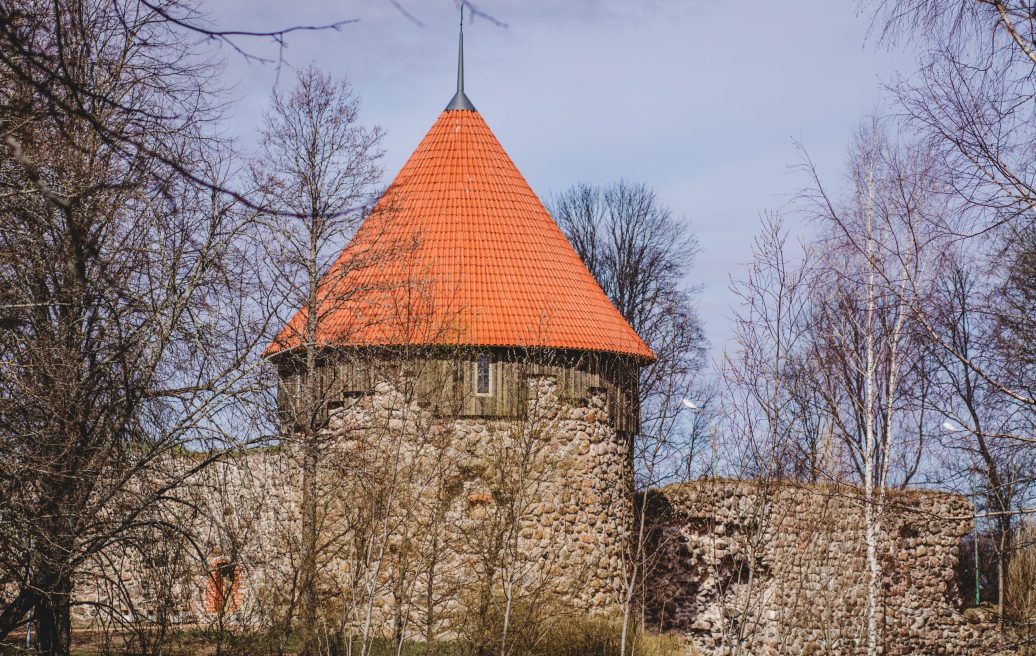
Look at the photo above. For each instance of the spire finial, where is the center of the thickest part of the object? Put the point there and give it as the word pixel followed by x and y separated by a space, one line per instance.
pixel 460 100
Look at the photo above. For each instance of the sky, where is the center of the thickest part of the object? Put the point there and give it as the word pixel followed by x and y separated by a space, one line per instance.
pixel 702 101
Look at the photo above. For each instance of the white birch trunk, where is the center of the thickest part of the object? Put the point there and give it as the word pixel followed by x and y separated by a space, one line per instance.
pixel 871 519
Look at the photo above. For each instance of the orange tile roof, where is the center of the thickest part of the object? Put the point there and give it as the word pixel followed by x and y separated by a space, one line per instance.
pixel 460 251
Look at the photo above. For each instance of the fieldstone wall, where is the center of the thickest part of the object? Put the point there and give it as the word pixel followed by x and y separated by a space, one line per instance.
pixel 424 520
pixel 242 510
pixel 428 522
pixel 775 568
pixel 535 507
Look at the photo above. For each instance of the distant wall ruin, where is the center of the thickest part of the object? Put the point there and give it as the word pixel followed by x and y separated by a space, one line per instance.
pixel 778 568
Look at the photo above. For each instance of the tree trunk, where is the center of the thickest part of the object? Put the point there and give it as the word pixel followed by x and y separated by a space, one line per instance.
pixel 308 566
pixel 1004 545
pixel 13 614
pixel 53 618
pixel 870 439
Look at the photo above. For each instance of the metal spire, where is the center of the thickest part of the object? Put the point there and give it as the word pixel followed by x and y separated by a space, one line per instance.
pixel 460 100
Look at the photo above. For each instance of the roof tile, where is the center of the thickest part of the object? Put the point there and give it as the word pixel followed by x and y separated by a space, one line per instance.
pixel 460 251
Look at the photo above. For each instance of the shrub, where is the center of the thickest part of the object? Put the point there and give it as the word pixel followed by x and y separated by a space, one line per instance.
pixel 554 629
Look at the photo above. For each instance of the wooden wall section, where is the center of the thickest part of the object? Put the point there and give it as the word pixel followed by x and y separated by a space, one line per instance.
pixel 446 381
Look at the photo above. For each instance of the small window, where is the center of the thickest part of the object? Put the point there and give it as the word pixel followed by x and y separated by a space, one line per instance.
pixel 483 376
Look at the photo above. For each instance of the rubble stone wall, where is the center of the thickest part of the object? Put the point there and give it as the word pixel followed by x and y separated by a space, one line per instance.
pixel 777 568
pixel 419 514
pixel 423 517
pixel 242 510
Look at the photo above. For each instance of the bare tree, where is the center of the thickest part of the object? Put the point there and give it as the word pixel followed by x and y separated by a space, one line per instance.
pixel 127 317
pixel 317 172
pixel 978 419
pixel 640 254
pixel 859 335
pixel 401 454
pixel 29 58
pixel 1012 300
pixel 831 354
pixel 780 427
pixel 881 258
pixel 972 103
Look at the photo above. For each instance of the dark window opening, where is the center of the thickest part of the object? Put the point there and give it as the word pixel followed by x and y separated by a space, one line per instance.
pixel 483 383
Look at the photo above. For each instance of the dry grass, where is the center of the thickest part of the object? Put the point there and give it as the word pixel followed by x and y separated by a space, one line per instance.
pixel 1021 589
pixel 572 637
pixel 602 637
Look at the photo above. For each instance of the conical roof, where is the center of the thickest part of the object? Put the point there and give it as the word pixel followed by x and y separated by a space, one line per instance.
pixel 460 251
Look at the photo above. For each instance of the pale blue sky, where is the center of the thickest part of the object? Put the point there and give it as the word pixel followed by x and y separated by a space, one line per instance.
pixel 700 100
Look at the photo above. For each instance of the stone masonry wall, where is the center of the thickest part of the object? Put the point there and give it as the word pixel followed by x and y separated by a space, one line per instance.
pixel 426 520
pixel 241 510
pixel 538 505
pixel 422 517
pixel 756 568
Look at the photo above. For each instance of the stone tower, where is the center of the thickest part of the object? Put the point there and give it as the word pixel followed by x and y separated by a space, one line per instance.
pixel 460 310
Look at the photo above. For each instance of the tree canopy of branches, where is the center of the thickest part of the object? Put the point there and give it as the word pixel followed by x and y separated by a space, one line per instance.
pixel 972 104
pixel 126 315
pixel 640 254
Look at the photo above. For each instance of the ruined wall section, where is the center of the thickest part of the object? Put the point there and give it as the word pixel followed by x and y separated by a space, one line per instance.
pixel 777 568
pixel 240 511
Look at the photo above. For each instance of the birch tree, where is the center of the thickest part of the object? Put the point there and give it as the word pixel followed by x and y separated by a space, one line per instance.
pixel 317 172
pixel 880 258
pixel 973 105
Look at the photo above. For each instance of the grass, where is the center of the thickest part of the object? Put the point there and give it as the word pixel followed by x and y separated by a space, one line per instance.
pixel 577 637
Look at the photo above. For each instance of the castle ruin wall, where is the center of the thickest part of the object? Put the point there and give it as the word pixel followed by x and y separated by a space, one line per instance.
pixel 767 568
